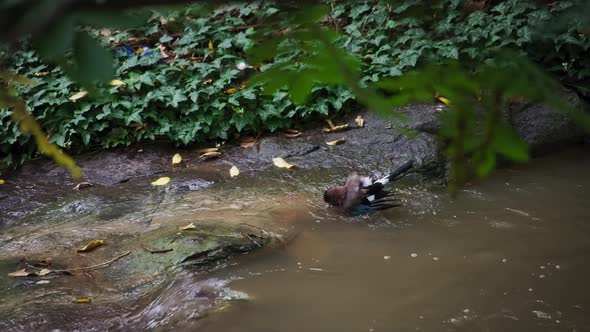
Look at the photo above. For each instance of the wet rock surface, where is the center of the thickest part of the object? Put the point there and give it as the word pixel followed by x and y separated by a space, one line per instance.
pixel 44 216
pixel 545 129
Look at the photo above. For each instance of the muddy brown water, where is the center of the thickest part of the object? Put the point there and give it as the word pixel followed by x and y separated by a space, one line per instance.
pixel 508 254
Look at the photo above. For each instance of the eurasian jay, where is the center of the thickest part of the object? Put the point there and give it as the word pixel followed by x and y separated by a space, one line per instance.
pixel 360 194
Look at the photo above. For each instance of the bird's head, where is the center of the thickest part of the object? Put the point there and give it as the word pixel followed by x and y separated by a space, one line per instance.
pixel 334 195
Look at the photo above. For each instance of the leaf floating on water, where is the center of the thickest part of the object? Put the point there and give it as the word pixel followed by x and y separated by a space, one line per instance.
pixel 19 273
pixel 281 163
pixel 83 185
pixel 443 100
pixel 91 245
pixel 336 142
pixel 212 154
pixel 336 128
pixel 117 82
pixel 78 95
pixel 176 159
pixel 292 133
pixel 234 171
pixel 205 150
pixel 247 142
pixel 360 121
pixel 83 300
pixel 188 227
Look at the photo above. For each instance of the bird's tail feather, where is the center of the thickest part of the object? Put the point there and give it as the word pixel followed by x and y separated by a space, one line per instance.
pixel 401 171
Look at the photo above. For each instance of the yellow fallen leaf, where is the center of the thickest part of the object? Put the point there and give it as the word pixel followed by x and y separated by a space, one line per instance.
pixel 176 159
pixel 212 154
pixel 280 162
pixel 117 82
pixel 41 73
pixel 205 150
pixel 83 185
pixel 443 100
pixel 83 300
pixel 42 282
pixel 188 227
pixel 336 142
pixel 210 45
pixel 161 181
pixel 2 181
pixel 336 128
pixel 231 91
pixel 138 51
pixel 234 171
pixel 78 95
pixel 91 245
pixel 19 273
pixel 44 272
pixel 360 121
pixel 292 133
pixel 330 123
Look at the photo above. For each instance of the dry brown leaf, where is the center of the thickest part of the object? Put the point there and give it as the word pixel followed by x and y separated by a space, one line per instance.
pixel 360 121
pixel 83 300
pixel 336 128
pixel 19 273
pixel 247 142
pixel 105 32
pixel 212 154
pixel 161 181
pixel 205 150
pixel 176 159
pixel 336 142
pixel 78 95
pixel 292 133
pixel 83 185
pixel 234 171
pixel 188 227
pixel 280 162
pixel 91 245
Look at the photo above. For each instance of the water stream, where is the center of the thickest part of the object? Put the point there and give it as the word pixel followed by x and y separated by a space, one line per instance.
pixel 508 254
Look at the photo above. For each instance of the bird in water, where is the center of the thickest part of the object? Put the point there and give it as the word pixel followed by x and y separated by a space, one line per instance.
pixel 361 194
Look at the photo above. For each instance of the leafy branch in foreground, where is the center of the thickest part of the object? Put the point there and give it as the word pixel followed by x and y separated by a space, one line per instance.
pixel 28 124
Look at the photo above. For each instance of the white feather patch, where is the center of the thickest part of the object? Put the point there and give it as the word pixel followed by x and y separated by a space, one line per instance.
pixel 383 181
pixel 366 181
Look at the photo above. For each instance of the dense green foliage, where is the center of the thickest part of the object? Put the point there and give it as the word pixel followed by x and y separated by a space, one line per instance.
pixel 183 93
